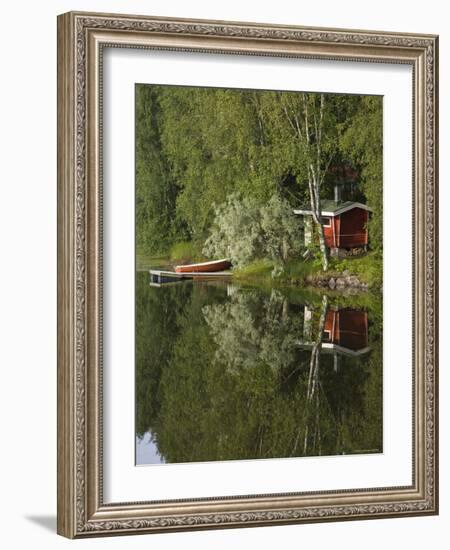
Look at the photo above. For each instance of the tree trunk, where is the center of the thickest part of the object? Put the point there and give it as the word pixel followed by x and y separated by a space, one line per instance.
pixel 314 196
pixel 323 248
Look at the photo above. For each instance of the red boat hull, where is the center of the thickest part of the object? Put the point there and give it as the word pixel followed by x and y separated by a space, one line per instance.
pixel 205 267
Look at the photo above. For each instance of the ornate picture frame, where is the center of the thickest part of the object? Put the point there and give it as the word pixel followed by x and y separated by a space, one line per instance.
pixel 82 38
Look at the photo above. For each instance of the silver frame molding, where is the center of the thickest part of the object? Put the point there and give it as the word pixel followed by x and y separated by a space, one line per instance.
pixel 81 38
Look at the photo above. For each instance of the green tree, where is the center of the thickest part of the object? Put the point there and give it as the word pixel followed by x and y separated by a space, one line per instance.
pixel 208 136
pixel 362 143
pixel 157 225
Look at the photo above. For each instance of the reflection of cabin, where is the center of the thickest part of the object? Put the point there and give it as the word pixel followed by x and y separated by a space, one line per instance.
pixel 345 333
pixel 344 225
pixel 346 330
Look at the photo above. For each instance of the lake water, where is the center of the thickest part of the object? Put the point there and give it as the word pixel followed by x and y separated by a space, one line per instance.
pixel 227 371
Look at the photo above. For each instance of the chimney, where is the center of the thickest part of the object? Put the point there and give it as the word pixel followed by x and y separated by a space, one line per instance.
pixel 337 193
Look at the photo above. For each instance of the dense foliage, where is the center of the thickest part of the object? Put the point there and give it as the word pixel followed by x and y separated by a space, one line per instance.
pixel 197 146
pixel 362 144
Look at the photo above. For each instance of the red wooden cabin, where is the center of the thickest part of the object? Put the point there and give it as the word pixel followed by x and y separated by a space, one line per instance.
pixel 344 224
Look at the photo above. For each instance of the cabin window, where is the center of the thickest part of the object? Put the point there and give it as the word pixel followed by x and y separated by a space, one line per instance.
pixel 326 221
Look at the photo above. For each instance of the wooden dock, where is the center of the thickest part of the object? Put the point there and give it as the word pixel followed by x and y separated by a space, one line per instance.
pixel 160 277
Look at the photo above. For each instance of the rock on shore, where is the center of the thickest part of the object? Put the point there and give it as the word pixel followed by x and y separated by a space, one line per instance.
pixel 345 281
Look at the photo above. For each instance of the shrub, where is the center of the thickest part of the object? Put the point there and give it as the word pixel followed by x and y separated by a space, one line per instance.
pixel 244 231
pixel 280 228
pixel 236 232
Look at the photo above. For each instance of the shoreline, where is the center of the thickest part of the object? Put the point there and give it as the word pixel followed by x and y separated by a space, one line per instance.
pixel 348 276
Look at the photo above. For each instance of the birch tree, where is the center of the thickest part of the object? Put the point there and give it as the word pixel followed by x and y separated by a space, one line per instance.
pixel 309 123
pixel 318 161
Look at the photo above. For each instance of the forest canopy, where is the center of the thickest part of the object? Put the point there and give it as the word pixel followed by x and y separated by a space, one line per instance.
pixel 196 147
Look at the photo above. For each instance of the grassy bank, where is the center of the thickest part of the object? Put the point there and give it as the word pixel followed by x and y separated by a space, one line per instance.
pixel 180 253
pixel 186 252
pixel 368 269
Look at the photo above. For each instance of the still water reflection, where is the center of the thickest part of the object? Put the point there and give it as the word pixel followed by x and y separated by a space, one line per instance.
pixel 229 372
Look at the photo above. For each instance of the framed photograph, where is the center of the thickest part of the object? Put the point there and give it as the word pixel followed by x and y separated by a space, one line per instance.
pixel 247 284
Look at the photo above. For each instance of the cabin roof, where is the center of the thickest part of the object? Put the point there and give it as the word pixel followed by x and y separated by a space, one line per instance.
pixel 332 208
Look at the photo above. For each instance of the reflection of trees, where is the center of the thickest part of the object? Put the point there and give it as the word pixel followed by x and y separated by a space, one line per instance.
pixel 252 329
pixel 157 325
pixel 235 384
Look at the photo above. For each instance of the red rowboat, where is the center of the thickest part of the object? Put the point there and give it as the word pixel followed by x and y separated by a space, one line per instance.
pixel 205 267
